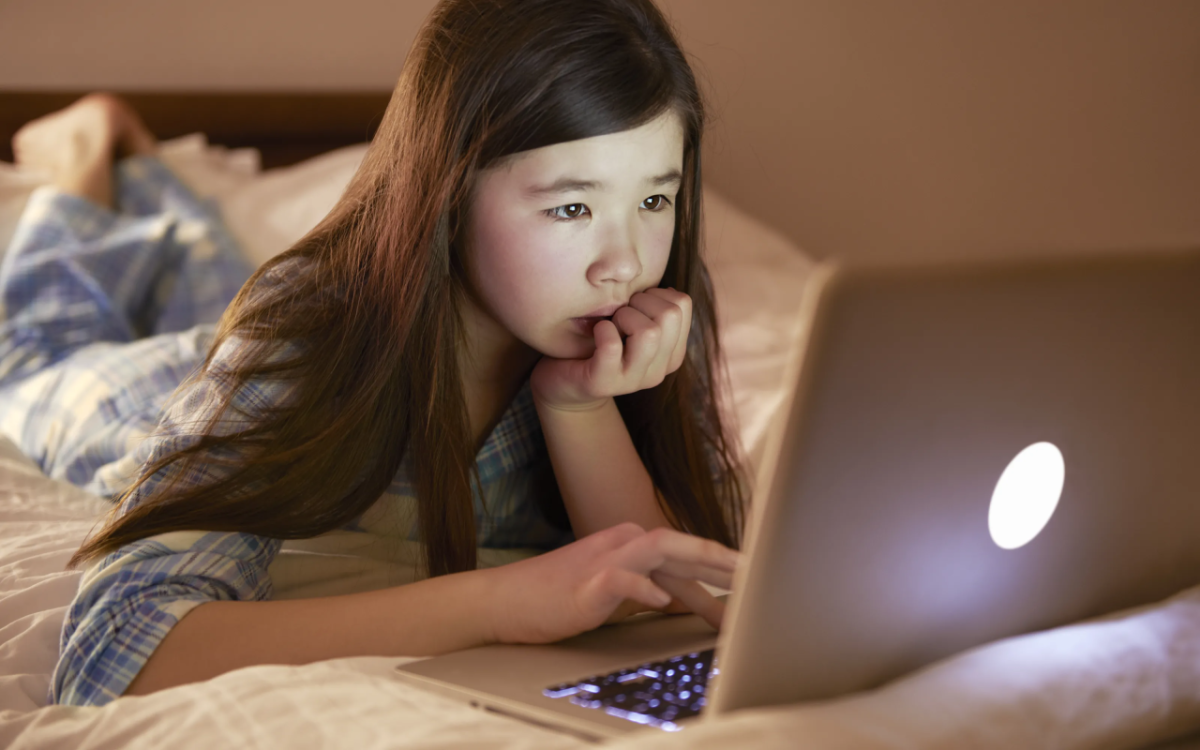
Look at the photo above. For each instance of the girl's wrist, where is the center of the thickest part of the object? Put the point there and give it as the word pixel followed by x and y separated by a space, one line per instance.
pixel 490 612
pixel 576 407
pixel 443 614
pixel 518 604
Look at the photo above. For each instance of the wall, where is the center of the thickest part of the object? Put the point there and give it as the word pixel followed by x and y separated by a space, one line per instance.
pixel 858 128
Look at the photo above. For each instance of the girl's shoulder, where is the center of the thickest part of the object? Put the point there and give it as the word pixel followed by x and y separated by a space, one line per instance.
pixel 276 315
pixel 302 279
pixel 283 273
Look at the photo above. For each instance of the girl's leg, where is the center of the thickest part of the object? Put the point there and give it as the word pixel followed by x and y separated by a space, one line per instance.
pixel 81 284
pixel 207 269
pixel 201 278
pixel 75 147
pixel 77 273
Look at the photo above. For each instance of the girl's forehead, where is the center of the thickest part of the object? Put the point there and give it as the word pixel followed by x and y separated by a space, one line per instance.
pixel 653 148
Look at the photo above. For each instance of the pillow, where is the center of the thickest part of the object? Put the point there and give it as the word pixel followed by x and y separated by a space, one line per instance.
pixel 267 211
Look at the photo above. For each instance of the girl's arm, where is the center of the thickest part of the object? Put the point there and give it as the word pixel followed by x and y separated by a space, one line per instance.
pixel 424 618
pixel 600 474
pixel 538 600
pixel 602 478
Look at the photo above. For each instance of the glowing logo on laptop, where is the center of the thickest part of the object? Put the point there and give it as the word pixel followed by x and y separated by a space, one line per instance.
pixel 1026 495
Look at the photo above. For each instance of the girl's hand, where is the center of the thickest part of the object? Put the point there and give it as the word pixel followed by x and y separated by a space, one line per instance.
pixel 655 325
pixel 584 584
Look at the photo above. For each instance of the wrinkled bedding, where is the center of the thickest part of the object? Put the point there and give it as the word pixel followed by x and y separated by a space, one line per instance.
pixel 1124 681
pixel 1127 680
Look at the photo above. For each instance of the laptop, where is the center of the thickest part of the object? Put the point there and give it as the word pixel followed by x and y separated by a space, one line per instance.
pixel 970 451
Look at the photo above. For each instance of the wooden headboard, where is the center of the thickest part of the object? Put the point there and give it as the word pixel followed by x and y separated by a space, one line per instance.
pixel 285 127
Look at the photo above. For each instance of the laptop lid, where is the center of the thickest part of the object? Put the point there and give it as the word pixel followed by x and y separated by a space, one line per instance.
pixel 918 386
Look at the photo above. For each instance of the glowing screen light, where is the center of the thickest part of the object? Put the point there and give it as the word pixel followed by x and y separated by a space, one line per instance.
pixel 1026 495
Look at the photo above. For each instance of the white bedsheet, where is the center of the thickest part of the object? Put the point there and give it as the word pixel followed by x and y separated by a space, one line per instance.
pixel 1120 682
pixel 1125 681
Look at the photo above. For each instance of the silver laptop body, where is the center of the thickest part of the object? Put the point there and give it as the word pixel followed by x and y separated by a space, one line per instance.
pixel 869 553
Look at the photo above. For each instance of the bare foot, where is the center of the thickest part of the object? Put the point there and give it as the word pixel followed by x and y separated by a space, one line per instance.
pixel 76 146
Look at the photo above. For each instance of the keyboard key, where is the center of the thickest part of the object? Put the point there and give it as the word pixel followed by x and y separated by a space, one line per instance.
pixel 655 693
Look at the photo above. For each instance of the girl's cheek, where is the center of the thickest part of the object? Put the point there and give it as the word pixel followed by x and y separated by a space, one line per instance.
pixel 662 245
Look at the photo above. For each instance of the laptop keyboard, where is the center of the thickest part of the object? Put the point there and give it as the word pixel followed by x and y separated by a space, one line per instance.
pixel 657 693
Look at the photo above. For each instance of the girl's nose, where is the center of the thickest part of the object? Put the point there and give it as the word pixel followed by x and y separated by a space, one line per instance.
pixel 619 263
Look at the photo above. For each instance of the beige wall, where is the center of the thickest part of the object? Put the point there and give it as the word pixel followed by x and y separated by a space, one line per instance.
pixel 947 127
pixel 959 127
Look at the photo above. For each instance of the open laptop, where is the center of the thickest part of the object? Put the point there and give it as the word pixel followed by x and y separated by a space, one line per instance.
pixel 970 451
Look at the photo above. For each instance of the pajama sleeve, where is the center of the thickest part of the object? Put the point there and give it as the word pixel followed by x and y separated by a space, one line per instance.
pixel 129 600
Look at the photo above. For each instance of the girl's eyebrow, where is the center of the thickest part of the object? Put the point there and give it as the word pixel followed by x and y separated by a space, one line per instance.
pixel 569 184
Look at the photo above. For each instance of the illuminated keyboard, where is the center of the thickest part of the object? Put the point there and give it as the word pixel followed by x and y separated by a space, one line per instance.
pixel 657 693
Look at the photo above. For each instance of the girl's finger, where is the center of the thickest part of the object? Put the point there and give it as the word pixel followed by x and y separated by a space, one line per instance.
pixel 681 344
pixel 666 313
pixel 693 596
pixel 684 303
pixel 676 607
pixel 659 307
pixel 629 608
pixel 614 536
pixel 612 585
pixel 710 575
pixel 658 547
pixel 642 342
pixel 610 350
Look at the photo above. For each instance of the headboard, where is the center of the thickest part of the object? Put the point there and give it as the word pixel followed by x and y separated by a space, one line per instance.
pixel 286 127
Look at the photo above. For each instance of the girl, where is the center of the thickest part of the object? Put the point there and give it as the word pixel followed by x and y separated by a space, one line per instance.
pixel 504 323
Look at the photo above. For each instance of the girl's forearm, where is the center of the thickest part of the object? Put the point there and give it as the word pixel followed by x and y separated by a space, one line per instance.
pixel 425 618
pixel 602 479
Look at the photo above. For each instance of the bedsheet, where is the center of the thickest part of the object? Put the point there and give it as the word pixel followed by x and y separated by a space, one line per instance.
pixel 1127 680
pixel 1121 681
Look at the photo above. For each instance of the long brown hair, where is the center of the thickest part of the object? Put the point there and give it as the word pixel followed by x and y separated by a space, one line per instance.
pixel 374 301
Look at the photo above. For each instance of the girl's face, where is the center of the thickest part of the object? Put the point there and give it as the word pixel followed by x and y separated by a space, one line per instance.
pixel 544 250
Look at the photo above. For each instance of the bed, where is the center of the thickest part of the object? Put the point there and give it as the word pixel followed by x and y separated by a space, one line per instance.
pixel 1131 679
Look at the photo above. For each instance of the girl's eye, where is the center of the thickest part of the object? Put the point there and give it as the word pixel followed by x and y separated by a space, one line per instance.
pixel 663 202
pixel 573 211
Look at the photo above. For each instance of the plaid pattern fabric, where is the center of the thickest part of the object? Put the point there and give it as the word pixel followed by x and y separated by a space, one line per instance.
pixel 104 314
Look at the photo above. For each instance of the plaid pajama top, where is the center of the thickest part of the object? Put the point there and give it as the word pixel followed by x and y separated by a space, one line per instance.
pixel 102 317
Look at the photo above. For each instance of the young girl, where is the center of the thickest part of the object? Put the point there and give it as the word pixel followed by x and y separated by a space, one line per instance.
pixel 505 323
